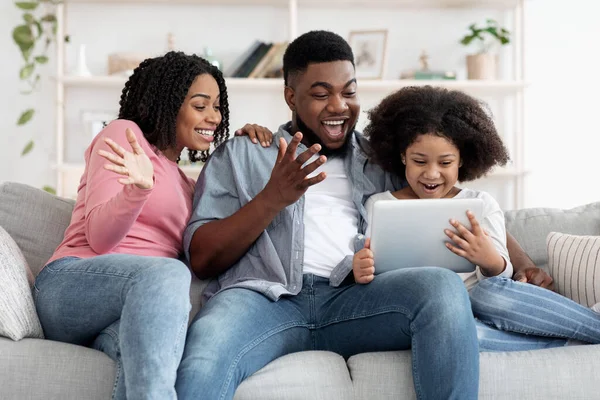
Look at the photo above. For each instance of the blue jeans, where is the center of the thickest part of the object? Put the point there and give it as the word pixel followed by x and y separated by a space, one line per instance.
pixel 144 299
pixel 519 316
pixel 239 331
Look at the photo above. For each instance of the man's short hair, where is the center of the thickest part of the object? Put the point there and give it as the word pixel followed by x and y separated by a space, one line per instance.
pixel 314 47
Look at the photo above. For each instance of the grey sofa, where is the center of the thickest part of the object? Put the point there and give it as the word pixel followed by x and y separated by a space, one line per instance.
pixel 43 369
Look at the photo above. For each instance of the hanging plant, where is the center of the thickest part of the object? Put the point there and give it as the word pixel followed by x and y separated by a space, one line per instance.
pixel 33 36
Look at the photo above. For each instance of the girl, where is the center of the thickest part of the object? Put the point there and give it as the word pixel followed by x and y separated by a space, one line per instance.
pixel 117 269
pixel 435 138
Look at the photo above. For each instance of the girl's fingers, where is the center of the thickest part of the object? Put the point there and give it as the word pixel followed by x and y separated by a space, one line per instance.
pixel 456 250
pixel 367 271
pixel 365 279
pixel 475 227
pixel 462 230
pixel 457 239
pixel 366 263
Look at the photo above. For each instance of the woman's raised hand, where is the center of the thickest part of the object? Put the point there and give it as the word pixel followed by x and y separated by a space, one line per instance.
pixel 135 166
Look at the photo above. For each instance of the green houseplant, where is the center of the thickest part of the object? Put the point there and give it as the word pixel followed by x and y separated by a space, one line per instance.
pixel 33 35
pixel 483 64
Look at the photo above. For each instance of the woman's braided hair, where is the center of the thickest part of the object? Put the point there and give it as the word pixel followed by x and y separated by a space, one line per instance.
pixel 155 92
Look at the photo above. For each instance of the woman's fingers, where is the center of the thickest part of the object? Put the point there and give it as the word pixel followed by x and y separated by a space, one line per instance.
pixel 135 146
pixel 115 147
pixel 117 168
pixel 111 157
pixel 126 181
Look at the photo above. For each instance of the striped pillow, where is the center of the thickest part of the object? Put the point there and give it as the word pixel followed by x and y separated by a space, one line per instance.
pixel 574 264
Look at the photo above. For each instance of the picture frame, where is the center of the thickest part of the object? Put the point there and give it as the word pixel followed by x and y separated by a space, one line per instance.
pixel 94 121
pixel 370 52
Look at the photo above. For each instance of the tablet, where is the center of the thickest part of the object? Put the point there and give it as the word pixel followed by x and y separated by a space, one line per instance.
pixel 410 233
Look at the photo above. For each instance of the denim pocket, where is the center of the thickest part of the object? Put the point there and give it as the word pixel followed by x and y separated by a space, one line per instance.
pixel 59 264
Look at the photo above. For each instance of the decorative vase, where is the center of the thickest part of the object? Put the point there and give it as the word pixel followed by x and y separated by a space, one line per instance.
pixel 482 66
pixel 81 68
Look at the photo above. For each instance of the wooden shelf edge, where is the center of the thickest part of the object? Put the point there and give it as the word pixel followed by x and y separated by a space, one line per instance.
pixel 277 83
pixel 497 4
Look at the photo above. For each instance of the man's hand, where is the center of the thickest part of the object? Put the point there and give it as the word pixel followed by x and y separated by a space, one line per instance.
pixel 256 133
pixel 525 269
pixel 363 266
pixel 536 276
pixel 289 180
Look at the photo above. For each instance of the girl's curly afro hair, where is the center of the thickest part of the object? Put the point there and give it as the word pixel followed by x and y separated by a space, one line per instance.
pixel 412 111
pixel 155 92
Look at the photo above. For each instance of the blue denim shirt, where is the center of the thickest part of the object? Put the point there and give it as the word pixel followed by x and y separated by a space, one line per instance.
pixel 234 174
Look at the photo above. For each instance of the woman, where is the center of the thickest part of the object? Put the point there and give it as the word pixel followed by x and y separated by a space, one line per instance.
pixel 117 268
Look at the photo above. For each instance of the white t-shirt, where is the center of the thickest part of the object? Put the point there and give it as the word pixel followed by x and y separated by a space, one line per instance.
pixel 330 220
pixel 492 221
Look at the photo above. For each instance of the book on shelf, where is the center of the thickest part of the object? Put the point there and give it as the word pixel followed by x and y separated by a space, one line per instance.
pixel 260 60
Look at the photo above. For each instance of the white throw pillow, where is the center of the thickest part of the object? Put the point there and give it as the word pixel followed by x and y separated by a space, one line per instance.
pixel 18 318
pixel 574 264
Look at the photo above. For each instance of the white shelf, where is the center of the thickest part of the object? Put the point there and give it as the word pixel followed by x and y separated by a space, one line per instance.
pixel 117 82
pixel 497 4
pixel 493 87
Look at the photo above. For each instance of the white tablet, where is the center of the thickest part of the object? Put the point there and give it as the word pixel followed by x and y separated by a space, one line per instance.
pixel 410 233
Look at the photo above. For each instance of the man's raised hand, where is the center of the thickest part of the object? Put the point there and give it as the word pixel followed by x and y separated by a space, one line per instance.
pixel 289 178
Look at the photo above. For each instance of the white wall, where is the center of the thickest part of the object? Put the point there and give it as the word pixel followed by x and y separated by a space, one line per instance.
pixel 563 102
pixel 557 44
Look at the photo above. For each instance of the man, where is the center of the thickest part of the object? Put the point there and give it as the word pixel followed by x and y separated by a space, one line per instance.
pixel 276 228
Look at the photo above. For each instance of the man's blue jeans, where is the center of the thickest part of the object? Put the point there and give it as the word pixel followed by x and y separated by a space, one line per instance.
pixel 239 331
pixel 519 316
pixel 146 302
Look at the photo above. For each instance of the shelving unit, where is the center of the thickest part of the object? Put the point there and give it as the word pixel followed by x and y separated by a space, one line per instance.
pixel 68 173
pixel 490 87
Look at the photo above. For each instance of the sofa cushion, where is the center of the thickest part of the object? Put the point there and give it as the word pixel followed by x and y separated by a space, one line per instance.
pixel 18 318
pixel 531 226
pixel 306 375
pixel 43 369
pixel 560 373
pixel 574 264
pixel 36 220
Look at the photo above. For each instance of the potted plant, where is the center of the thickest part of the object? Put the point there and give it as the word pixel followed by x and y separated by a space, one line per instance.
pixel 33 35
pixel 483 64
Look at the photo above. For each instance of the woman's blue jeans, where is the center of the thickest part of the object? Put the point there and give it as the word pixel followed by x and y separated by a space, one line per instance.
pixel 143 301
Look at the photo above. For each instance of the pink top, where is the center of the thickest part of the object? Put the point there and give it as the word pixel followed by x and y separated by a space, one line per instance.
pixel 113 218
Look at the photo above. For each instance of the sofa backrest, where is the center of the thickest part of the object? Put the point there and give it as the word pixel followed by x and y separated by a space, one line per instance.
pixel 531 226
pixel 35 219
